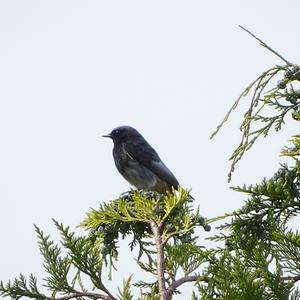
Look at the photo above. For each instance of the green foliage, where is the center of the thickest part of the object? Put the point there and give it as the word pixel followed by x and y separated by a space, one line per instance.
pixel 126 294
pixel 56 266
pixel 83 257
pixel 20 287
pixel 138 207
pixel 276 197
pixel 84 254
pixel 188 263
pixel 147 217
pixel 132 215
pixel 260 256
pixel 255 250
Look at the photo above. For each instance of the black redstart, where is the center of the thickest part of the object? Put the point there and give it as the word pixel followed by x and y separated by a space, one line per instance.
pixel 139 163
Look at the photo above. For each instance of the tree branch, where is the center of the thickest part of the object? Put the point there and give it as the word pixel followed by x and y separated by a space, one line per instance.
pixel 171 289
pixel 93 296
pixel 160 261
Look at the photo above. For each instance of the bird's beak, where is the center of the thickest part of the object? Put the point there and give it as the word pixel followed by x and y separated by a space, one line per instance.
pixel 107 136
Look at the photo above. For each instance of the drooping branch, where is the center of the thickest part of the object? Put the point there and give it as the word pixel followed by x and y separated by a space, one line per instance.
pixel 93 296
pixel 265 97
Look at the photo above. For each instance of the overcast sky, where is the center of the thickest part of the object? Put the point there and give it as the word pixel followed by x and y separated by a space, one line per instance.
pixel 71 71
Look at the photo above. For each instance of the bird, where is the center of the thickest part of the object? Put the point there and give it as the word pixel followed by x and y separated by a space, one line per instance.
pixel 139 163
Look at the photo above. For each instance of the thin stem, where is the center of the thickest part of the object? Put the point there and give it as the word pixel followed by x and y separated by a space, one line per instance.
pixel 93 296
pixel 266 46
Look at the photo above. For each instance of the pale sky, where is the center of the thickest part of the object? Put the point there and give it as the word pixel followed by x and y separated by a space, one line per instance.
pixel 71 71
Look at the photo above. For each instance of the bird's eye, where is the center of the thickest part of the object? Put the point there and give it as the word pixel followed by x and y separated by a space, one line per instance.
pixel 117 132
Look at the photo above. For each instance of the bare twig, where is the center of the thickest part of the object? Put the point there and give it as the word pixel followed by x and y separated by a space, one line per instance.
pixel 234 106
pixel 266 46
pixel 93 296
pixel 187 278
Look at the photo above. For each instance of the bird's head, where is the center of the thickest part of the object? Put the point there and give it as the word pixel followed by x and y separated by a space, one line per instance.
pixel 123 134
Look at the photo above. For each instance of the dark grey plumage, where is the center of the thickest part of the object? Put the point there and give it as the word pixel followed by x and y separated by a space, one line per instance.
pixel 139 163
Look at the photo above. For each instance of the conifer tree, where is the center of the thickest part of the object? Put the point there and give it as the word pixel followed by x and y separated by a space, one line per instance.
pixel 260 253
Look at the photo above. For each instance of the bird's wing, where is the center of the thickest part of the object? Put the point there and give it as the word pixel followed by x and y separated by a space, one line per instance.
pixel 147 156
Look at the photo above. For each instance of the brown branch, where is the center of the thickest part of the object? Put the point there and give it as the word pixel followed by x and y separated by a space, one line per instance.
pixel 93 296
pixel 160 260
pixel 167 237
pixel 187 278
